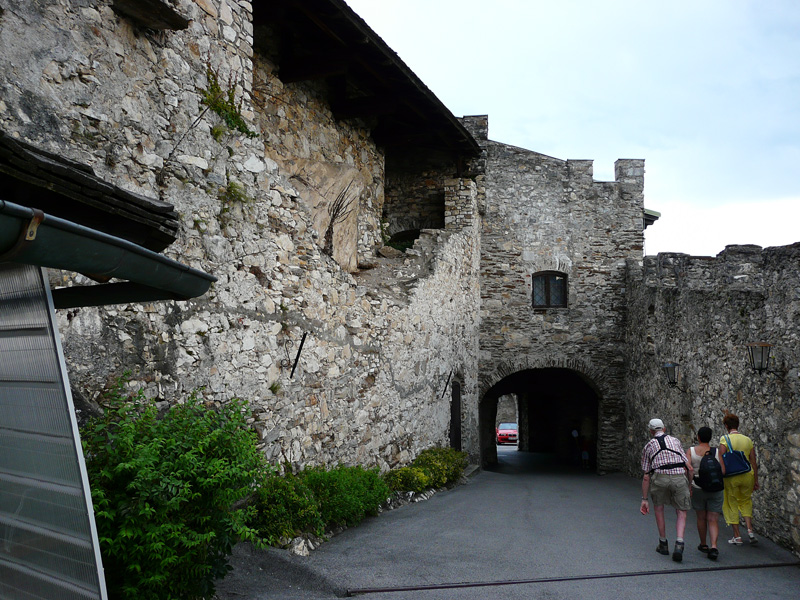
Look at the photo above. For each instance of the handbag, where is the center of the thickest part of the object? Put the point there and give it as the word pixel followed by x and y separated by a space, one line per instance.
pixel 735 461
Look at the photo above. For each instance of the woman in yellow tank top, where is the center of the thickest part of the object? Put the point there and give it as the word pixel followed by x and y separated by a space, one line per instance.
pixel 739 488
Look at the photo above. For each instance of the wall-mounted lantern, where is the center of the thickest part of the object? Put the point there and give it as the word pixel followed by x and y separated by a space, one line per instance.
pixel 671 371
pixel 758 352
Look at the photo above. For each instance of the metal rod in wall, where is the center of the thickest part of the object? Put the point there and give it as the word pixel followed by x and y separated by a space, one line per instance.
pixel 299 350
pixel 446 383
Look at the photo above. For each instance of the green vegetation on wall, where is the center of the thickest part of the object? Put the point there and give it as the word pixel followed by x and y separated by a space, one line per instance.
pixel 223 102
pixel 233 193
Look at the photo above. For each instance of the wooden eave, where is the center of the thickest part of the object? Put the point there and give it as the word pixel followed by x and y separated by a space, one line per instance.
pixel 326 40
pixel 153 14
pixel 70 190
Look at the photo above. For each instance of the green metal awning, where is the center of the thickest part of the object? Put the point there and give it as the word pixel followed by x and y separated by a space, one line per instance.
pixel 28 236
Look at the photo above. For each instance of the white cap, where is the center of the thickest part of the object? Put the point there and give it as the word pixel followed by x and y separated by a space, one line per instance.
pixel 656 424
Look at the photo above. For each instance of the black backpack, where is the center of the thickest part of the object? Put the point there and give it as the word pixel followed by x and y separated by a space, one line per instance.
pixel 709 475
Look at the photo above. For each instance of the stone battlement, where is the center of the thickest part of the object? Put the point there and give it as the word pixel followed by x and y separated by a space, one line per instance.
pixel 738 267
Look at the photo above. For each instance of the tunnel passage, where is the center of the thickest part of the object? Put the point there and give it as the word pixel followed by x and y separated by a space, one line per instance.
pixel 557 411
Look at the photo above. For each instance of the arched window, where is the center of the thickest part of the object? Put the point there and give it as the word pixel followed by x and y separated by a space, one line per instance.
pixel 549 289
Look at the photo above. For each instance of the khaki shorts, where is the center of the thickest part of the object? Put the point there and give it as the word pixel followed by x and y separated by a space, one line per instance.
pixel 670 489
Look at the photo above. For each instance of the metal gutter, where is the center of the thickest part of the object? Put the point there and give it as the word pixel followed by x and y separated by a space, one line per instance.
pixel 29 236
pixel 650 217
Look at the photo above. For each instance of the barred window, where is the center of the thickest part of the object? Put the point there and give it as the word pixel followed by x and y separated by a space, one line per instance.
pixel 549 289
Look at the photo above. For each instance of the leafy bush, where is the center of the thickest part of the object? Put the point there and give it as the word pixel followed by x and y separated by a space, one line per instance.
pixel 447 463
pixel 285 508
pixel 434 467
pixel 345 495
pixel 407 479
pixel 169 493
pixel 233 193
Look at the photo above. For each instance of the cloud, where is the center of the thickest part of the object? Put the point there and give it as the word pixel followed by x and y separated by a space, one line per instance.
pixel 705 231
pixel 706 92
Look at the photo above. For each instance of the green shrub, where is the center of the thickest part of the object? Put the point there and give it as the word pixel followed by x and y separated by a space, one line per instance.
pixel 445 464
pixel 345 495
pixel 407 479
pixel 169 493
pixel 434 467
pixel 233 193
pixel 285 508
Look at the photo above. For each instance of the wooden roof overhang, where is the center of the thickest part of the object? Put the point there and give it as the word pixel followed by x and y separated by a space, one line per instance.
pixel 56 213
pixel 32 177
pixel 327 40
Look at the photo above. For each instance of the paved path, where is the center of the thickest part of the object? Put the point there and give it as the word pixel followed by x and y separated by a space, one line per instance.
pixel 526 530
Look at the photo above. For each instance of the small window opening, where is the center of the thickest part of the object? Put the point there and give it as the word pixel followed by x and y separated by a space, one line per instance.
pixel 549 289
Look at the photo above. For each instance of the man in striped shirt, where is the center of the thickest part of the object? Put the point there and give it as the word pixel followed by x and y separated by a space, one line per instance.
pixel 667 473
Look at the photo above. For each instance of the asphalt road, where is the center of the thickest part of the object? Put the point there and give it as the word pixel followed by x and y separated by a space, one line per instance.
pixel 527 530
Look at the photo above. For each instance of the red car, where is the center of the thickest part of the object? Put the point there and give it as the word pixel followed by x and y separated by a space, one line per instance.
pixel 507 433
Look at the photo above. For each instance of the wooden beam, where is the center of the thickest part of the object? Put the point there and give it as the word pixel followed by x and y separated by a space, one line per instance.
pixel 312 68
pixel 365 107
pixel 154 14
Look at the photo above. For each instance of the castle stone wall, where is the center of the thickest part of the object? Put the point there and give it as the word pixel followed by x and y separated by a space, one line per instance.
pixel 414 201
pixel 79 80
pixel 323 157
pixel 701 312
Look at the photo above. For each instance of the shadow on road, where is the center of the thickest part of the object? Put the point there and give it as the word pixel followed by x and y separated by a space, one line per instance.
pixel 511 461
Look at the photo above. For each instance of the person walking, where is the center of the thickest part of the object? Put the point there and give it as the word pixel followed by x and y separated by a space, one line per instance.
pixel 707 504
pixel 739 488
pixel 667 473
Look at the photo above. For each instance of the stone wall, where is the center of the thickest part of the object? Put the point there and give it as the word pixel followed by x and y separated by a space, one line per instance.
pixel 414 201
pixel 322 156
pixel 380 342
pixel 701 312
pixel 546 214
pixel 506 409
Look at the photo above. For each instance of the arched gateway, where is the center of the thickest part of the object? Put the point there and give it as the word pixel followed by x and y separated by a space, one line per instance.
pixel 561 410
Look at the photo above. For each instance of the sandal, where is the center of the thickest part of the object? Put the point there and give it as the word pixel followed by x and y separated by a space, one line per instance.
pixel 703 548
pixel 713 553
pixel 751 535
pixel 737 541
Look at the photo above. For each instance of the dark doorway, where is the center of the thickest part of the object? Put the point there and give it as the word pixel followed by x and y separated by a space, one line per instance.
pixel 455 416
pixel 558 411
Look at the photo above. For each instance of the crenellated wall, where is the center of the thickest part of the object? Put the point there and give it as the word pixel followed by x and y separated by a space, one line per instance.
pixel 546 214
pixel 385 338
pixel 701 312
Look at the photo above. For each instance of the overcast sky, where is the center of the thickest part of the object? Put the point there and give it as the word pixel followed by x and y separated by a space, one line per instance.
pixel 706 91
